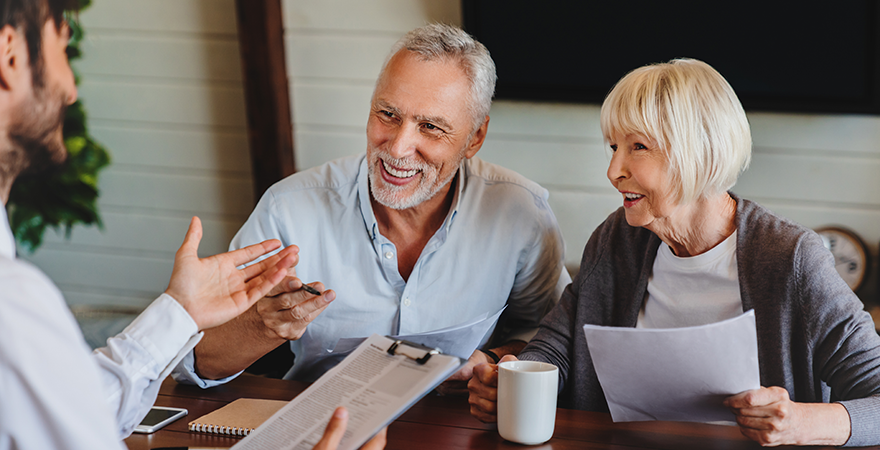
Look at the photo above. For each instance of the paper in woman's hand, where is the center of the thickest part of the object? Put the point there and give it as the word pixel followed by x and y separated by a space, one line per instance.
pixel 681 374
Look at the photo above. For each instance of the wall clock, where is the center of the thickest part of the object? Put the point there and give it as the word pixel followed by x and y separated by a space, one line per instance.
pixel 851 257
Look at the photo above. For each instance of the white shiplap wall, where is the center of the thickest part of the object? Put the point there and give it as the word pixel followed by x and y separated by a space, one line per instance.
pixel 815 169
pixel 161 81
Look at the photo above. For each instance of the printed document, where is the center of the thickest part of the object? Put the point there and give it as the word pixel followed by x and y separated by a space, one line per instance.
pixel 375 386
pixel 459 340
pixel 681 374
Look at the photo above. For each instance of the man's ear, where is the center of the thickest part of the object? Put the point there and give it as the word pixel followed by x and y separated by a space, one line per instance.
pixel 477 140
pixel 13 57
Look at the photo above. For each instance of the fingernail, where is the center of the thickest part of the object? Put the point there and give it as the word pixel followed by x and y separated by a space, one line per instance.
pixel 341 413
pixel 329 296
pixel 292 285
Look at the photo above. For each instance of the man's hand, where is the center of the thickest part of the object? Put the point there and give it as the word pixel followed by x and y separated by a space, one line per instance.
pixel 768 416
pixel 457 384
pixel 336 429
pixel 213 290
pixel 483 389
pixel 287 315
pixel 290 283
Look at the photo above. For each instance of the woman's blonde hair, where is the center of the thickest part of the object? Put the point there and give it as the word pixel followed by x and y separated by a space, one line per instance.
pixel 690 111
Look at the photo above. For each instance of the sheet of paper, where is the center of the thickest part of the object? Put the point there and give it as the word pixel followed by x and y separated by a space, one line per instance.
pixel 680 374
pixel 459 340
pixel 375 387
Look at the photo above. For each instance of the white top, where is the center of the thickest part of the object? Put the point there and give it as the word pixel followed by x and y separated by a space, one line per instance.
pixel 499 244
pixel 697 290
pixel 53 394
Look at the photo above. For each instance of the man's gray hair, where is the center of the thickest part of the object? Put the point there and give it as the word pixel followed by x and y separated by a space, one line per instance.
pixel 440 41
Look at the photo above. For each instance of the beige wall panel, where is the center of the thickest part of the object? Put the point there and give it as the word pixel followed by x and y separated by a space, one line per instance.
pixel 831 133
pixel 579 214
pixel 130 273
pixel 193 149
pixel 172 103
pixel 101 298
pixel 337 105
pixel 574 165
pixel 186 57
pixel 141 233
pixel 861 220
pixel 345 57
pixel 188 16
pixel 225 196
pixel 315 148
pixel 555 120
pixel 397 16
pixel 842 181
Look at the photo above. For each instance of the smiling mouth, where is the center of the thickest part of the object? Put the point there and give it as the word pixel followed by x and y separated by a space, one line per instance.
pixel 397 173
pixel 630 198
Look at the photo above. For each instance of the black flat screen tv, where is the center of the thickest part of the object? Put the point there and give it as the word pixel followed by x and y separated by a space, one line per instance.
pixel 806 56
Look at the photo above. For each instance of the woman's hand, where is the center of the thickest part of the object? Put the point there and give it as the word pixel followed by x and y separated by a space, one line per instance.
pixel 483 389
pixel 336 429
pixel 768 416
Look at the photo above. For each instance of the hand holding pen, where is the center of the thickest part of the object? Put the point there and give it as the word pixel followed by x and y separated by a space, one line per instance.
pixel 292 305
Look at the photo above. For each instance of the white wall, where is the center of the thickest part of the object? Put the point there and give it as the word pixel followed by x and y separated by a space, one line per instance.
pixel 815 169
pixel 161 82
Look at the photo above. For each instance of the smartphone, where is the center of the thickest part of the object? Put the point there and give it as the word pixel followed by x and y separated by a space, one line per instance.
pixel 158 417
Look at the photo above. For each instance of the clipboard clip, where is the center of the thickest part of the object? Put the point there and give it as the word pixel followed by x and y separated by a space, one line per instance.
pixel 429 352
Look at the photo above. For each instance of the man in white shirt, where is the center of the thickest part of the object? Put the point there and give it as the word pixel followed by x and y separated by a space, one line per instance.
pixel 51 390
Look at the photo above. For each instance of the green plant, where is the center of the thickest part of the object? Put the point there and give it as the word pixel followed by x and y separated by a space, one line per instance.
pixel 67 197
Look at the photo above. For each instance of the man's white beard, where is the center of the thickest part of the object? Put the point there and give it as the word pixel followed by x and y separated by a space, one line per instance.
pixel 393 196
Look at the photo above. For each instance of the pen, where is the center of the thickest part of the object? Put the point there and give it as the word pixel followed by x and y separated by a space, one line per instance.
pixel 310 289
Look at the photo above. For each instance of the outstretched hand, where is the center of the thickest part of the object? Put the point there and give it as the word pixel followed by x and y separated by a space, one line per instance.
pixel 213 290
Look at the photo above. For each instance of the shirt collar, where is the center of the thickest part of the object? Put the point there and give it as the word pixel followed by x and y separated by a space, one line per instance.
pixel 7 241
pixel 363 180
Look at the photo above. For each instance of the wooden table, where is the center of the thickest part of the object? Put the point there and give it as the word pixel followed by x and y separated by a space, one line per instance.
pixel 445 423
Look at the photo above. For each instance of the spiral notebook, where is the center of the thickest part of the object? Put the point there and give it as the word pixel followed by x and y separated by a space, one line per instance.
pixel 238 418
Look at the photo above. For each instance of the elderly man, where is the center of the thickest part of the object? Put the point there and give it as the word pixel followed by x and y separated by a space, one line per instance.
pixel 54 395
pixel 416 235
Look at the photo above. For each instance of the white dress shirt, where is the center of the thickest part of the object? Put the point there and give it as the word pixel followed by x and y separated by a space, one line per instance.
pixel 53 394
pixel 499 245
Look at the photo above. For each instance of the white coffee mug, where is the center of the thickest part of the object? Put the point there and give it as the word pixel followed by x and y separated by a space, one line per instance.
pixel 527 401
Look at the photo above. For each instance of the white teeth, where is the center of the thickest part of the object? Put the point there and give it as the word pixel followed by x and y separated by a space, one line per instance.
pixel 399 173
pixel 631 196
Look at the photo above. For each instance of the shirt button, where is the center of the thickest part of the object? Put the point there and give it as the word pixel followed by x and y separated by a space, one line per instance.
pixel 389 255
pixel 406 302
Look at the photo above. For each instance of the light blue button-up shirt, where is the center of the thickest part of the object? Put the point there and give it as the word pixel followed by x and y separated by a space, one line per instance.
pixel 500 244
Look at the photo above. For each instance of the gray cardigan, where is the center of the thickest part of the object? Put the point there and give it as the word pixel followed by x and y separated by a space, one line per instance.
pixel 814 337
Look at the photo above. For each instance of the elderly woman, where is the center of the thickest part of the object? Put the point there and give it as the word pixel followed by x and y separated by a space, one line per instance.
pixel 683 251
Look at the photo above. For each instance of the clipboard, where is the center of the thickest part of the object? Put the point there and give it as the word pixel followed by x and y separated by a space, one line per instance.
pixel 377 382
pixel 395 349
